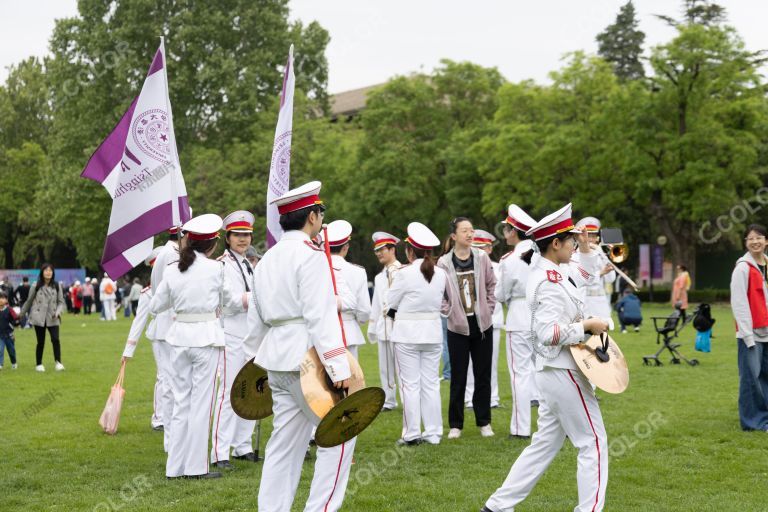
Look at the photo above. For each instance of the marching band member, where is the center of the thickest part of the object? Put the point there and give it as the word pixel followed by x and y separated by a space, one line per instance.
pixel 295 309
pixel 470 288
pixel 416 300
pixel 194 289
pixel 356 305
pixel 484 241
pixel 568 404
pixel 230 430
pixel 597 302
pixel 510 289
pixel 158 329
pixel 381 325
pixel 137 327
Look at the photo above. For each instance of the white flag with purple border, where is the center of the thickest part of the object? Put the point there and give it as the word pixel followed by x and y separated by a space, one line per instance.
pixel 280 168
pixel 138 164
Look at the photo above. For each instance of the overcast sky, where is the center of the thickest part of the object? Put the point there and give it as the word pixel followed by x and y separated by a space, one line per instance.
pixel 372 41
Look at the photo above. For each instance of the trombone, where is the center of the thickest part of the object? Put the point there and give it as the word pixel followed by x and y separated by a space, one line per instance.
pixel 616 254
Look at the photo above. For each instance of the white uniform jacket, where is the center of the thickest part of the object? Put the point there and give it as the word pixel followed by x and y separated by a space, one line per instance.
pixel 380 327
pixel 596 287
pixel 241 281
pixel 168 255
pixel 498 312
pixel 356 303
pixel 194 297
pixel 418 304
pixel 139 322
pixel 557 310
pixel 510 287
pixel 295 309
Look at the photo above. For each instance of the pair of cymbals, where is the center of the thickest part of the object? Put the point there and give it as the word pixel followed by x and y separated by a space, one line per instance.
pixel 340 415
pixel 600 359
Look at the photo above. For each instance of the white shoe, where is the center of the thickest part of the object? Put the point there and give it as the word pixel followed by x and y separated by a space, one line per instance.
pixel 1 367
pixel 623 331
pixel 39 368
pixel 59 366
pixel 14 366
pixel 455 433
pixel 486 431
pixel 637 329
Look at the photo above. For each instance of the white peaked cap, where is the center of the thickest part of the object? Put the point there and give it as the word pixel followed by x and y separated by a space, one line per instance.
pixel 421 237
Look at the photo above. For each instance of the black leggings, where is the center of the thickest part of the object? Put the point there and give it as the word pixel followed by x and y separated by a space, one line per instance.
pixel 40 333
pixel 480 346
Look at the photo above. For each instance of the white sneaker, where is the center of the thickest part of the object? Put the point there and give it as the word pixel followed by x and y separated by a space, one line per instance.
pixel 14 366
pixel 637 329
pixel 39 368
pixel 486 431
pixel 59 366
pixel 1 367
pixel 623 331
pixel 455 433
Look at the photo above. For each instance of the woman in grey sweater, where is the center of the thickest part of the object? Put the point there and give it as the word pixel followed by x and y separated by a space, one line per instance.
pixel 44 306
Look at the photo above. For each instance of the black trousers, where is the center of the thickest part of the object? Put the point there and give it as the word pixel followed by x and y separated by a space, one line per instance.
pixel 480 346
pixel 40 333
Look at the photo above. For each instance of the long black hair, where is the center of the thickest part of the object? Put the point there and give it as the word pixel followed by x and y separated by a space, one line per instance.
pixel 543 245
pixel 428 263
pixel 187 254
pixel 40 280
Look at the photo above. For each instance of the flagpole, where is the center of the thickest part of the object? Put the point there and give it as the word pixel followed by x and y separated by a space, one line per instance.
pixel 175 193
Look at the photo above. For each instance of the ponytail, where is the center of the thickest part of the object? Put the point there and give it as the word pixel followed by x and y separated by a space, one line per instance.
pixel 428 267
pixel 527 256
pixel 187 254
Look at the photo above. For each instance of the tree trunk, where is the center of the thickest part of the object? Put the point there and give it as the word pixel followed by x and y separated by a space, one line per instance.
pixel 681 238
pixel 8 246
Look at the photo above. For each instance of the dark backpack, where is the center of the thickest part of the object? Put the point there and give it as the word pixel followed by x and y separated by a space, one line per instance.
pixel 702 319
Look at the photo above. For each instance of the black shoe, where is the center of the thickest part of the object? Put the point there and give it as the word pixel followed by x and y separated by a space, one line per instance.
pixel 514 437
pixel 412 442
pixel 158 428
pixel 212 474
pixel 485 509
pixel 534 403
pixel 250 457
pixel 387 409
pixel 497 406
pixel 308 455
pixel 312 442
pixel 224 464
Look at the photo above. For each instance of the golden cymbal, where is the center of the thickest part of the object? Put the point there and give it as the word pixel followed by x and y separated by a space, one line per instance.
pixel 319 391
pixel 603 363
pixel 349 417
pixel 251 396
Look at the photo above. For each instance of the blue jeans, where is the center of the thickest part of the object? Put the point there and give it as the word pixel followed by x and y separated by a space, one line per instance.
pixel 446 357
pixel 753 386
pixel 7 342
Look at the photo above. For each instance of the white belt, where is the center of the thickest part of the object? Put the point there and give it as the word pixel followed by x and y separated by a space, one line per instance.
pixel 416 316
pixel 287 321
pixel 189 318
pixel 348 316
pixel 595 293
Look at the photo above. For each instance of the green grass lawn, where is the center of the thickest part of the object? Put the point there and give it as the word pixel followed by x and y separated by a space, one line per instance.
pixel 675 440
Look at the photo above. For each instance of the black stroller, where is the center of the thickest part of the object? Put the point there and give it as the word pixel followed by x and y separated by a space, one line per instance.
pixel 667 329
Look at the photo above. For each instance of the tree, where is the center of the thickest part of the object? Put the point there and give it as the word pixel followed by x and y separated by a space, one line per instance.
pixel 698 12
pixel 621 44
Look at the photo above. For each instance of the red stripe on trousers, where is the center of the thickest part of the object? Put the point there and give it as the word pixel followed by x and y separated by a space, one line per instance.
pixel 221 404
pixel 597 442
pixel 336 481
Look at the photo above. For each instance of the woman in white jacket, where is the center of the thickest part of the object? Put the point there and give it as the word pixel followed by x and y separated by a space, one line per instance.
pixel 568 406
pixel 749 302
pixel 416 298
pixel 195 290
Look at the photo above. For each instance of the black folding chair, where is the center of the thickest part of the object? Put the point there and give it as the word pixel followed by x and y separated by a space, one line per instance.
pixel 667 329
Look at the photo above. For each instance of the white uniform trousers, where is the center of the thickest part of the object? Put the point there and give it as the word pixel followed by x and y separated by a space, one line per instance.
pixel 418 369
pixel 230 430
pixel 568 408
pixel 157 410
pixel 108 305
pixel 284 455
pixel 470 390
pixel 164 392
pixel 194 374
pixel 387 373
pixel 522 373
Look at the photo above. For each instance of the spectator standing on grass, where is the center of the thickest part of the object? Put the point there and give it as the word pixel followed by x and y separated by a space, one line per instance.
pixel 680 287
pixel 749 302
pixel 629 311
pixel 45 306
pixel 8 318
pixel 107 292
pixel 97 297
pixel 22 294
pixel 87 296
pixel 124 296
pixel 134 295
pixel 76 296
